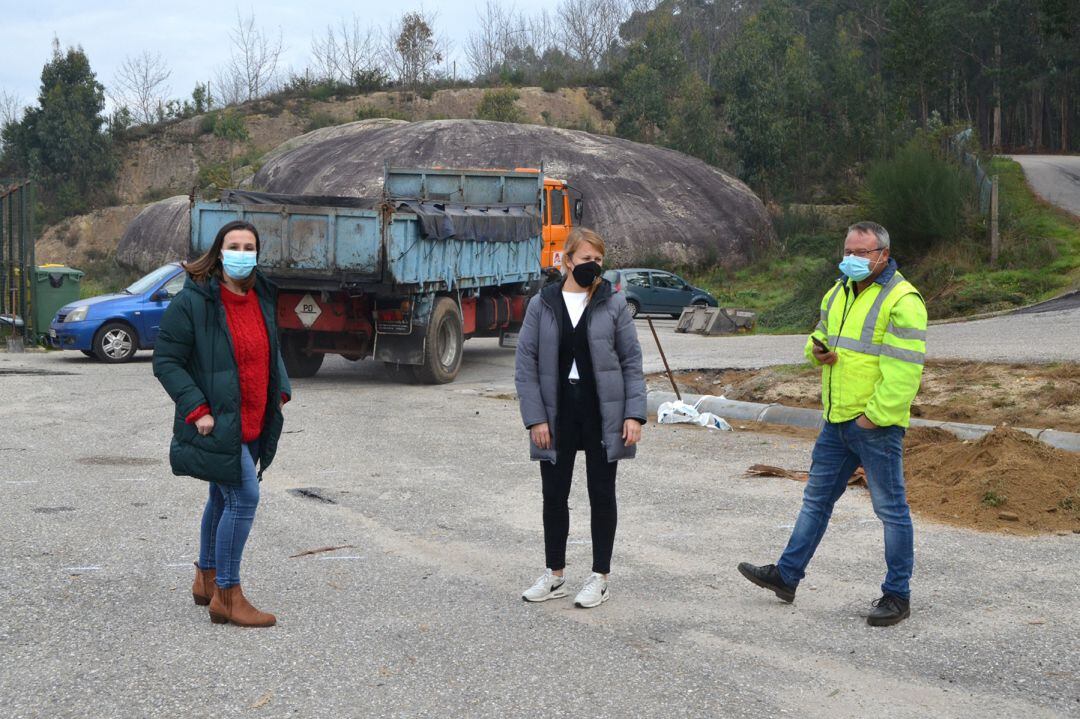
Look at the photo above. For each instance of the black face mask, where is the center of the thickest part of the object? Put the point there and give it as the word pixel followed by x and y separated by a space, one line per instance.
pixel 586 273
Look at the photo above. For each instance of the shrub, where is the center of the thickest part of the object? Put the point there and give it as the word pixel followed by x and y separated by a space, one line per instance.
pixel 322 92
pixel 320 120
pixel 801 311
pixel 921 198
pixel 499 105
pixel 370 113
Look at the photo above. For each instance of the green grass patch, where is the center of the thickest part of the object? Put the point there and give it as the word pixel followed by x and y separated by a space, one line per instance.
pixel 1039 259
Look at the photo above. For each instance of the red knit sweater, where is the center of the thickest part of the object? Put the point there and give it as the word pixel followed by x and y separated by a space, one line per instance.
pixel 251 347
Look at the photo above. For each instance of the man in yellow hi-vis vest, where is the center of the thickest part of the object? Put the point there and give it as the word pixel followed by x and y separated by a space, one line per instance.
pixel 871 345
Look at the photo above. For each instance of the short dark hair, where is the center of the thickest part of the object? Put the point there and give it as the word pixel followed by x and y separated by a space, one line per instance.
pixel 872 228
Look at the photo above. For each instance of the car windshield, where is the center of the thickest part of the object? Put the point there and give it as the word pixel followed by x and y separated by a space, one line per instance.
pixel 151 280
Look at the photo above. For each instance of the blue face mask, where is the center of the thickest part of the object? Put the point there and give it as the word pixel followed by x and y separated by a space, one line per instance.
pixel 855 267
pixel 238 264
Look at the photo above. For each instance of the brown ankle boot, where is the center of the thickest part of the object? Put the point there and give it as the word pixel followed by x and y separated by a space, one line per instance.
pixel 230 605
pixel 202 591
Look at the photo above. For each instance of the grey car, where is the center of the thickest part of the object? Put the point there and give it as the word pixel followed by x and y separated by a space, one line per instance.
pixel 656 291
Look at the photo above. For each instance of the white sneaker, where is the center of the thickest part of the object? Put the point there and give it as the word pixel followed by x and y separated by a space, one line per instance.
pixel 547 587
pixel 594 593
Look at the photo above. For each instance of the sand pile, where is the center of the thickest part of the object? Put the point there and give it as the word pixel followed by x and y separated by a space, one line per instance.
pixel 1006 481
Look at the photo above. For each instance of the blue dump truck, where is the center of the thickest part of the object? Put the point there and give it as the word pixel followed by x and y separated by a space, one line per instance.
pixel 441 256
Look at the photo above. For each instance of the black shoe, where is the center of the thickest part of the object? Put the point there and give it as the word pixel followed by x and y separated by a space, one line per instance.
pixel 769 578
pixel 889 610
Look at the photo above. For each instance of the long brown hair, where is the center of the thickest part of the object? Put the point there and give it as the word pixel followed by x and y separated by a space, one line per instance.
pixel 209 265
pixel 584 236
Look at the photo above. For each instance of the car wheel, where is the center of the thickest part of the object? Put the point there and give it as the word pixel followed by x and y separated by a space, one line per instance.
pixel 115 342
pixel 700 303
pixel 634 307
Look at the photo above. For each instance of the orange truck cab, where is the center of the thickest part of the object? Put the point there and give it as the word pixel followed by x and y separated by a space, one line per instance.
pixel 563 207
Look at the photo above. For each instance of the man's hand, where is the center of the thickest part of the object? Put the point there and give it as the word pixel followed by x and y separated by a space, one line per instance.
pixel 631 432
pixel 541 435
pixel 863 421
pixel 824 357
pixel 204 425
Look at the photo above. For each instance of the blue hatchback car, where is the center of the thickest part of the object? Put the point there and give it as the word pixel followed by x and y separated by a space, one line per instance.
pixel 651 291
pixel 114 327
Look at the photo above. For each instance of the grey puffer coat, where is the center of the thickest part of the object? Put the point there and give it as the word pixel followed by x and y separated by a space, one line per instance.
pixel 616 359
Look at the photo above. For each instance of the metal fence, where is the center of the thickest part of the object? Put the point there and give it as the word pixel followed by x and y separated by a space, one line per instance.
pixel 17 262
pixel 987 186
pixel 959 144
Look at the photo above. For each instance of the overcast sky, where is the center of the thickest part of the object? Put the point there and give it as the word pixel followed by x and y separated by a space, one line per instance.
pixel 192 36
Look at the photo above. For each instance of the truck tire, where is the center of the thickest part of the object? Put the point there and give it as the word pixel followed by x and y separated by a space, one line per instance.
pixel 443 343
pixel 298 363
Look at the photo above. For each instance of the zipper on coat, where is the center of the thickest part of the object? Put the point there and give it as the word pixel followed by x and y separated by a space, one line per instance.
pixel 839 333
pixel 596 377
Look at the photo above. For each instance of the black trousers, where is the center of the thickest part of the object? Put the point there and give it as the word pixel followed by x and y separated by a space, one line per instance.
pixel 579 427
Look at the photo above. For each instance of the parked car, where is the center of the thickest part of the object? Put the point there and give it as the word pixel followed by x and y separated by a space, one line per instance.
pixel 114 327
pixel 657 292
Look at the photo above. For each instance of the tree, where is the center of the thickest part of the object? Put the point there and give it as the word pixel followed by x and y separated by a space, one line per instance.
pixel 588 29
pixel 251 71
pixel 652 73
pixel 486 47
pixel 11 109
pixel 347 53
pixel 413 50
pixel 60 142
pixel 140 85
pixel 693 127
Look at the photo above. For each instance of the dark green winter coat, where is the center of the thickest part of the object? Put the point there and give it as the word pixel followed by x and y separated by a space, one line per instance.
pixel 195 363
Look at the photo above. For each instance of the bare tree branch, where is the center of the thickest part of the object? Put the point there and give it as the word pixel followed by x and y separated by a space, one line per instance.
pixel 140 85
pixel 587 28
pixel 346 52
pixel 11 108
pixel 251 71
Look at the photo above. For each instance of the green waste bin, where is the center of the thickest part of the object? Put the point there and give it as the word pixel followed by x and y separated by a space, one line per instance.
pixel 55 286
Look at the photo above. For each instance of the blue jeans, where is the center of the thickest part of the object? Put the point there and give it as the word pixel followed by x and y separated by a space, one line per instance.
pixel 839 450
pixel 227 520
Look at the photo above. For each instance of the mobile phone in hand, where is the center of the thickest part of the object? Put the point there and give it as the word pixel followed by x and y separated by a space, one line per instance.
pixel 820 345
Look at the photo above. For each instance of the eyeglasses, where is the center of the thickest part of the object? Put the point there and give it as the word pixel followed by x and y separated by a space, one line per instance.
pixel 862 253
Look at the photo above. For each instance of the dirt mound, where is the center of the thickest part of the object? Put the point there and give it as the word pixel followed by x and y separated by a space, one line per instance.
pixel 1006 481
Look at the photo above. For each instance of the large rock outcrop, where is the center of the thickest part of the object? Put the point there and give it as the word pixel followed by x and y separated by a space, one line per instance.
pixel 646 201
pixel 157 235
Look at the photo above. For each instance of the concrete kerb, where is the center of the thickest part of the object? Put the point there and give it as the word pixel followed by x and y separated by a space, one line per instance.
pixel 811 418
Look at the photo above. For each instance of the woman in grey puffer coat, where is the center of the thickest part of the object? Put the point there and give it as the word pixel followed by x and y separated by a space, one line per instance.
pixel 580 385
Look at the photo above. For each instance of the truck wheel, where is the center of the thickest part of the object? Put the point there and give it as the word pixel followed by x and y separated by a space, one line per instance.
pixel 298 363
pixel 442 344
pixel 115 342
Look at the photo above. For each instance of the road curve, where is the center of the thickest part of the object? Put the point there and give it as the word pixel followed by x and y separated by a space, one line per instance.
pixel 1056 178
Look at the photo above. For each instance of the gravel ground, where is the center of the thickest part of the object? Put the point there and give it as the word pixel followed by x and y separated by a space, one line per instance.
pixel 421 615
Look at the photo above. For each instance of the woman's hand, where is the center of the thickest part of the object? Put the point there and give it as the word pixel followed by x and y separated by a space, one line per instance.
pixel 204 425
pixel 631 432
pixel 541 435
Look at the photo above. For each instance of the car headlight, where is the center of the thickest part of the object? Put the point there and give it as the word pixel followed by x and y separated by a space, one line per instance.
pixel 77 315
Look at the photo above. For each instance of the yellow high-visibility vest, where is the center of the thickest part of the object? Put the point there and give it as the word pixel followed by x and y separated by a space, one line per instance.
pixel 879 336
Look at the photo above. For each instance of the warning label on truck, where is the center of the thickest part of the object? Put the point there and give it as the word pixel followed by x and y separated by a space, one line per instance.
pixel 308 310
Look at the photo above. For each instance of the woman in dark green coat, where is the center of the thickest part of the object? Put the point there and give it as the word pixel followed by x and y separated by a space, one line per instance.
pixel 217 356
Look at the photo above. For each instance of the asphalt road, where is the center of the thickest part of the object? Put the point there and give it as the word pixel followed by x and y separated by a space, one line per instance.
pixel 420 615
pixel 1055 177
